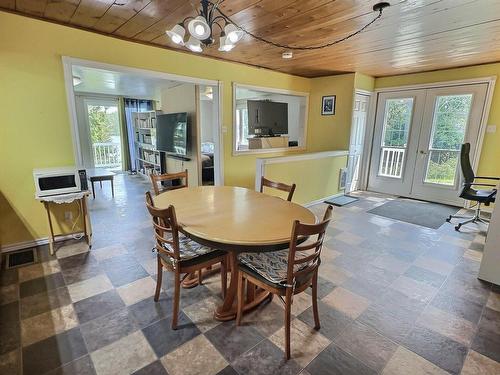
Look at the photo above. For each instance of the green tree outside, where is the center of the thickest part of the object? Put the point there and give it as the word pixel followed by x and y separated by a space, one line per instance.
pixel 450 121
pixel 103 124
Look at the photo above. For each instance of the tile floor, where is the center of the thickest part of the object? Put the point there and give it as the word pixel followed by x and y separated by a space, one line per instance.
pixel 395 299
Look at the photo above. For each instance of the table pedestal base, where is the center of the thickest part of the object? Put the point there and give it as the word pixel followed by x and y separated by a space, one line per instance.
pixel 192 280
pixel 260 297
pixel 254 296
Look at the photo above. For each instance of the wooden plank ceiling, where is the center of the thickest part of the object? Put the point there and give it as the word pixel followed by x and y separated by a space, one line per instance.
pixel 412 36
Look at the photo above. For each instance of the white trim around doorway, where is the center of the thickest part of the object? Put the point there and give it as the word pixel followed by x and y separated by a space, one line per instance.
pixel 69 62
pixel 490 81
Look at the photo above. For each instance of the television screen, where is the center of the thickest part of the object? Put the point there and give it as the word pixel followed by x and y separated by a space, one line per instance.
pixel 172 133
pixel 267 118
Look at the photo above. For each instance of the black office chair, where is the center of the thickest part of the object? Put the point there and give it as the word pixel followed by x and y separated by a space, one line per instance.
pixel 470 193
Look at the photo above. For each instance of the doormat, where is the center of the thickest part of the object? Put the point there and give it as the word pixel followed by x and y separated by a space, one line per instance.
pixel 20 258
pixel 342 200
pixel 425 214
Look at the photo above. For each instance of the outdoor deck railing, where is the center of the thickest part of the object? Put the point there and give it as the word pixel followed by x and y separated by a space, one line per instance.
pixel 107 155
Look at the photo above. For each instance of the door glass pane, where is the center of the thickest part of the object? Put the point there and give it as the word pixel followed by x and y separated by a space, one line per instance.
pixel 451 114
pixel 397 121
pixel 105 135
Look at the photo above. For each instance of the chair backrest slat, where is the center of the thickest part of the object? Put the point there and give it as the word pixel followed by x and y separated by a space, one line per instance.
pixel 156 180
pixel 309 252
pixel 290 189
pixel 165 227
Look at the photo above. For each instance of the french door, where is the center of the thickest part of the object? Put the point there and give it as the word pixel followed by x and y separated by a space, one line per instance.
pixel 417 139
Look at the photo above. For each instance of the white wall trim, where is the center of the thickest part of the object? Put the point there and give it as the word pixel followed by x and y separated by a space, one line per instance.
pixel 270 89
pixel 460 82
pixel 219 162
pixel 307 156
pixel 489 80
pixel 260 163
pixel 362 176
pixel 321 200
pixel 144 72
pixel 368 142
pixel 68 63
pixel 363 92
pixel 73 119
pixel 37 242
pixel 484 121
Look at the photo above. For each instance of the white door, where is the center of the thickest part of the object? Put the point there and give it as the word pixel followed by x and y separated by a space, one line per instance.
pixel 356 142
pixel 417 140
pixel 395 141
pixel 452 117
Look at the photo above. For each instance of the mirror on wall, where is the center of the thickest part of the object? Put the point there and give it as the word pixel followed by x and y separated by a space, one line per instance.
pixel 267 120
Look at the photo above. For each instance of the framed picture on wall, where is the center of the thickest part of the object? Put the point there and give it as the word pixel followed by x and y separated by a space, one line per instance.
pixel 328 105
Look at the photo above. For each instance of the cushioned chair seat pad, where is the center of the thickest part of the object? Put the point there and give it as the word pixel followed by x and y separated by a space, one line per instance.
pixel 192 252
pixel 272 266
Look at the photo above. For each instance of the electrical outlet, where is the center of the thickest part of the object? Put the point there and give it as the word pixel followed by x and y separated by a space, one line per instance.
pixel 68 216
pixel 491 129
pixel 224 129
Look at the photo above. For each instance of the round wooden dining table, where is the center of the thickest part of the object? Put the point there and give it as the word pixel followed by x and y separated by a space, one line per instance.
pixel 235 219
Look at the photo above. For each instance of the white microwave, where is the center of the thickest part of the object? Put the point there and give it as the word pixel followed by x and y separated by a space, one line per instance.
pixel 62 180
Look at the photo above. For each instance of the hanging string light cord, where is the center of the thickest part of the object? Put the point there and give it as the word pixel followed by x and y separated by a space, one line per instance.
pixel 285 46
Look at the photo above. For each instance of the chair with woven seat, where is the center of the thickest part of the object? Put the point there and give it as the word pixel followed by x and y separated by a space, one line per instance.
pixel 179 254
pixel 290 189
pixel 471 193
pixel 287 272
pixel 158 180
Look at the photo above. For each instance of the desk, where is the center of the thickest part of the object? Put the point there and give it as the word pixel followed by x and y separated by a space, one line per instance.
pixel 100 175
pixel 236 220
pixel 81 198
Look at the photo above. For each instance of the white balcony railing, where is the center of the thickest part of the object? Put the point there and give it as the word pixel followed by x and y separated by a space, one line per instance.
pixel 107 155
pixel 391 162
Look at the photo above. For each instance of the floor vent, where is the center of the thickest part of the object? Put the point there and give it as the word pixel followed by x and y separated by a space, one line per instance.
pixel 20 258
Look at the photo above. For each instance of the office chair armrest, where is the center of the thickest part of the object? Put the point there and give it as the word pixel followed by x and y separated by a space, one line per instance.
pixel 486 178
pixel 492 185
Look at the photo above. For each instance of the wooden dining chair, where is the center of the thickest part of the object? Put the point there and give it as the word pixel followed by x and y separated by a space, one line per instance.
pixel 158 179
pixel 286 272
pixel 290 189
pixel 179 254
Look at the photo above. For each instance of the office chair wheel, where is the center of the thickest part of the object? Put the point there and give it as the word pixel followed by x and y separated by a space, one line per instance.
pixel 448 219
pixel 457 227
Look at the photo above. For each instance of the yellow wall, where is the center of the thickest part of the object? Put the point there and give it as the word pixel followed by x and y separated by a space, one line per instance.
pixel 330 132
pixel 489 163
pixel 35 130
pixel 364 82
pixel 309 176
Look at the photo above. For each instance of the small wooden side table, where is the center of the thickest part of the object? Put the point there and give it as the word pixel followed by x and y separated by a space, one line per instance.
pixel 81 198
pixel 100 175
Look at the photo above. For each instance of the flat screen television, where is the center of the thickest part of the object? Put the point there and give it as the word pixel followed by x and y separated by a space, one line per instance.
pixel 172 133
pixel 266 118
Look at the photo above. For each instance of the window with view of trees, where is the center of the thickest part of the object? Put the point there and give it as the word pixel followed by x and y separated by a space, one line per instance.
pixel 397 121
pixel 451 115
pixel 104 127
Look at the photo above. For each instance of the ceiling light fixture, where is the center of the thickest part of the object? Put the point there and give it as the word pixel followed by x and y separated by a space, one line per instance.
pixel 287 55
pixel 202 33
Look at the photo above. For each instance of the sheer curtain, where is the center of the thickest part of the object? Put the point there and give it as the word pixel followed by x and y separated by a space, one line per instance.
pixel 134 105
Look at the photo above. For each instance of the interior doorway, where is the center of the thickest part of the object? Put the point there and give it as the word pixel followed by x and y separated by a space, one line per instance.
pixel 417 140
pixel 356 142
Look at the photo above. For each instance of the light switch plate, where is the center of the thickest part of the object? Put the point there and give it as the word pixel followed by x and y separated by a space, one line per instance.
pixel 491 129
pixel 224 129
